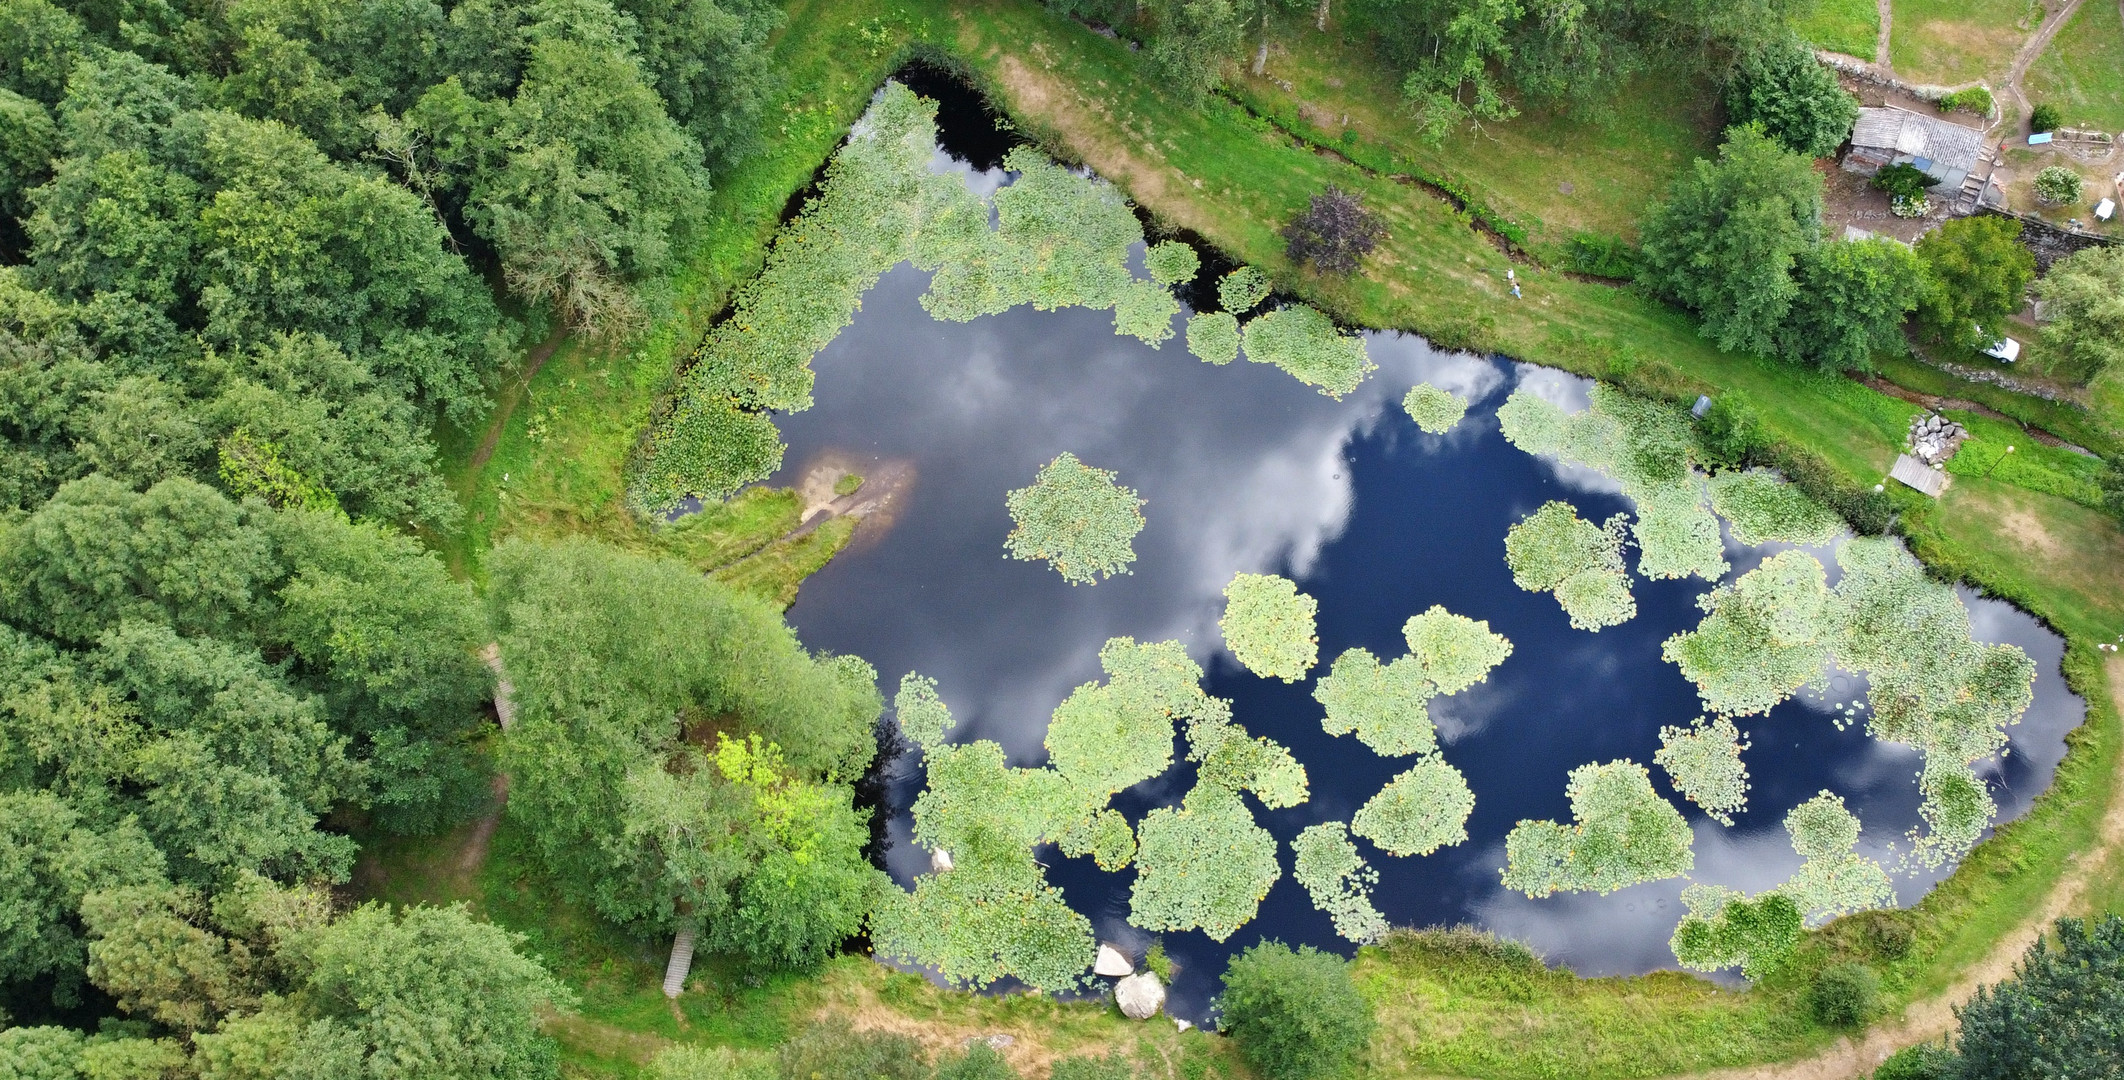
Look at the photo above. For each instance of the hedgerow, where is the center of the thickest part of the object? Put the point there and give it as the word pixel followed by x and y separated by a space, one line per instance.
pixel 1338 880
pixel 1622 834
pixel 1268 626
pixel 1308 345
pixel 1075 517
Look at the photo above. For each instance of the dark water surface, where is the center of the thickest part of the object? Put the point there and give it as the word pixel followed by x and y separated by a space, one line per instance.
pixel 1245 469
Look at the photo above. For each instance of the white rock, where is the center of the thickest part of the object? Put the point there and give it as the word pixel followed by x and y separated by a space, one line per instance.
pixel 1111 963
pixel 940 861
pixel 1140 996
pixel 1181 1024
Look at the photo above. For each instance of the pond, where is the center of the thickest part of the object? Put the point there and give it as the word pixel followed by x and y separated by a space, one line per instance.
pixel 1244 469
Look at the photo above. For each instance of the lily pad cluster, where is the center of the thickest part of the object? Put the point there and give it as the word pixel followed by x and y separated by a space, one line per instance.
pixel 1435 411
pixel 1338 879
pixel 1269 626
pixel 1553 550
pixel 1834 880
pixel 1725 928
pixel 1761 508
pixel 1648 448
pixel 1762 638
pixel 1621 834
pixel 1078 519
pixel 1704 762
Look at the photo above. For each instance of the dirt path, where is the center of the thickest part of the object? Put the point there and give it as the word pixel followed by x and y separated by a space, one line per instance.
pixel 1880 40
pixel 505 404
pixel 1933 1017
pixel 2026 58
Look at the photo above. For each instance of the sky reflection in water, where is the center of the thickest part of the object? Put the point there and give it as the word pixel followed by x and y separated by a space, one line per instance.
pixel 1245 469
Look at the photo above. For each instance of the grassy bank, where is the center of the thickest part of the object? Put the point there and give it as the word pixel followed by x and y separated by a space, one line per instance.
pixel 2082 72
pixel 1234 178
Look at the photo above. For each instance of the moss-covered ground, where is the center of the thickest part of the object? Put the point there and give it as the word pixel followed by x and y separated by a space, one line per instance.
pixel 1234 174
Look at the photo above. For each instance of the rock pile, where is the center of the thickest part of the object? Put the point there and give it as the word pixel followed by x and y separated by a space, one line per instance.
pixel 1934 438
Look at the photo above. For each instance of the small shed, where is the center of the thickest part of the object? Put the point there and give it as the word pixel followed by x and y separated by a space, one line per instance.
pixel 1916 474
pixel 1940 148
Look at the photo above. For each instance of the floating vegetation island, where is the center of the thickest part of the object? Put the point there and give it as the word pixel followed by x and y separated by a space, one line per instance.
pixel 1078 519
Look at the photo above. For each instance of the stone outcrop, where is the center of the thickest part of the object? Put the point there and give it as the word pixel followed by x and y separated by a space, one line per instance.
pixel 1934 438
pixel 1111 963
pixel 1140 996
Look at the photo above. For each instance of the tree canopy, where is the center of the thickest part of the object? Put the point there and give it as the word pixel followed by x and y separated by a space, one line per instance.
pixel 1793 96
pixel 1977 272
pixel 2083 303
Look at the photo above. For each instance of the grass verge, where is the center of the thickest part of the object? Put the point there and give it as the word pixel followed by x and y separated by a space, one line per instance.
pixel 2082 72
pixel 1852 27
pixel 1957 41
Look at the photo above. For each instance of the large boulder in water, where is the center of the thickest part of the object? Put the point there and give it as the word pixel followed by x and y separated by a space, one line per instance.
pixel 1140 996
pixel 1111 963
pixel 940 861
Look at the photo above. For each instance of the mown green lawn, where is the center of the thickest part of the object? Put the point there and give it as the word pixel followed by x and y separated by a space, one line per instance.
pixel 2082 72
pixel 1956 41
pixel 1848 26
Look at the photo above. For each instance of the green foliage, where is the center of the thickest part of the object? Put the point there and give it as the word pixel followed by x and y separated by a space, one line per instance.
pixel 1145 311
pixel 2058 1015
pixel 1622 834
pixel 1334 233
pixel 833 1051
pixel 1241 290
pixel 1205 865
pixel 1853 298
pixel 1925 1061
pixel 1387 706
pixel 1061 240
pixel 1157 962
pixel 1648 447
pixel 1106 739
pixel 614 657
pixel 1077 518
pixel 1728 236
pixel 1974 99
pixel 1307 344
pixel 1723 929
pixel 2083 299
pixel 1554 550
pixel 1797 101
pixel 1977 271
pixel 49 859
pixel 1902 180
pixel 1704 762
pixel 1419 811
pixel 1833 881
pixel 1455 652
pixel 1844 995
pixel 921 713
pixel 1114 1066
pixel 1761 508
pixel 1601 255
pixel 2057 186
pixel 1338 880
pixel 1268 626
pixel 1762 638
pixel 1295 1015
pixel 1171 262
pixel 683 1061
pixel 1930 685
pixel 1728 434
pixel 1213 336
pixel 874 202
pixel 2045 117
pixel 253 467
pixel 39 1053
pixel 1435 411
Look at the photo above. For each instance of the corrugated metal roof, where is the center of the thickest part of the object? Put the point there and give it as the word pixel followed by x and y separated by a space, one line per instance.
pixel 1950 145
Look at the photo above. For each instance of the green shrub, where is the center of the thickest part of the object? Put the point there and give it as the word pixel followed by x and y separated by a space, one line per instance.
pixel 1295 1015
pixel 1730 431
pixel 979 1062
pixel 1845 995
pixel 1157 962
pixel 2046 117
pixel 1925 1061
pixel 1601 255
pixel 1114 1066
pixel 833 1052
pixel 2057 186
pixel 1976 100
pixel 1903 180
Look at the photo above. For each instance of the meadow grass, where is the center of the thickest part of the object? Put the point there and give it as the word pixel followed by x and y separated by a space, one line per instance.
pixel 2082 72
pixel 1957 41
pixel 1550 170
pixel 1847 26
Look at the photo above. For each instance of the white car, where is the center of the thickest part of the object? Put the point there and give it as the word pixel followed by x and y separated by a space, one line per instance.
pixel 2005 350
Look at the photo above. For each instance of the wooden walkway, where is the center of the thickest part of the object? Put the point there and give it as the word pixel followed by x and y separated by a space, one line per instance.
pixel 1916 474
